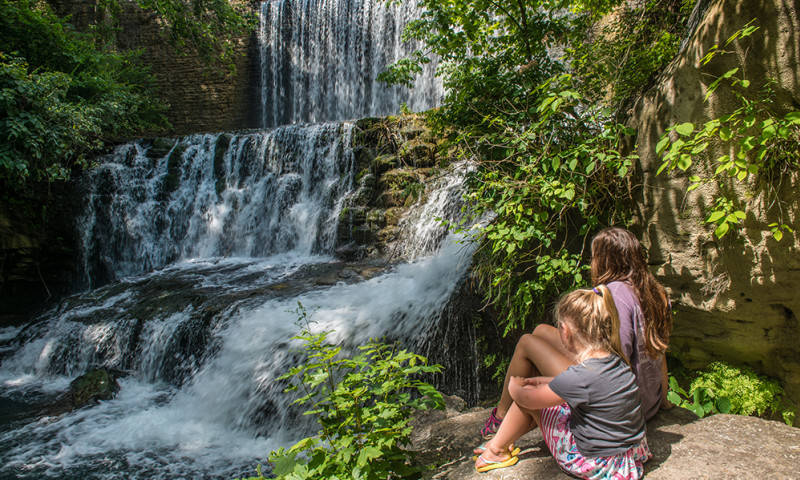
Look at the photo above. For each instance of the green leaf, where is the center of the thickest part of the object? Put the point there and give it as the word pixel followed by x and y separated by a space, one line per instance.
pixel 662 144
pixel 724 134
pixel 684 162
pixel 793 117
pixel 723 405
pixel 685 129
pixel 696 409
pixel 778 235
pixel 674 398
pixel 721 230
pixel 715 216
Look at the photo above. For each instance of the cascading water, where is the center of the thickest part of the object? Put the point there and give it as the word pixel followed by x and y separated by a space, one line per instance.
pixel 203 338
pixel 241 195
pixel 320 60
pixel 197 251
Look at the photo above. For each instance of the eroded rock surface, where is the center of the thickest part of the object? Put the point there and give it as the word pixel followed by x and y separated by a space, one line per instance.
pixel 736 297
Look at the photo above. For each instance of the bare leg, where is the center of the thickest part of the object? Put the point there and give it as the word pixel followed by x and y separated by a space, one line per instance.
pixel 540 353
pixel 516 424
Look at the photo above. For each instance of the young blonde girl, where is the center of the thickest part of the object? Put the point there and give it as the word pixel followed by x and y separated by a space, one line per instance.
pixel 590 414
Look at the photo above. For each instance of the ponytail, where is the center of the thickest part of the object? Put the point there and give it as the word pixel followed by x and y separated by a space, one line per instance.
pixel 594 321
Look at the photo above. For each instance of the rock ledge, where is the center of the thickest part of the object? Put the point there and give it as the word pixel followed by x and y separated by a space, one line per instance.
pixel 684 447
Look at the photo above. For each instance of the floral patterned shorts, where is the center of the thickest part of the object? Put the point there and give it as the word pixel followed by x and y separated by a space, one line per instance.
pixel 558 437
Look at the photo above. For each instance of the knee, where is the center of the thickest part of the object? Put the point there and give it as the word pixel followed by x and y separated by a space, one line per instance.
pixel 526 342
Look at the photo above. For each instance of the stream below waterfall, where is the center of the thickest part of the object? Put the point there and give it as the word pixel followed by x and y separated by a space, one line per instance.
pixel 200 318
pixel 194 256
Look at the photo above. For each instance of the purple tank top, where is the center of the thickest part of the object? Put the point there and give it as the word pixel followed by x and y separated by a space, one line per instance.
pixel 631 333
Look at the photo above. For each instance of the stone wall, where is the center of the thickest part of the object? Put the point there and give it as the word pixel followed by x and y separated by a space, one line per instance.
pixel 737 297
pixel 202 98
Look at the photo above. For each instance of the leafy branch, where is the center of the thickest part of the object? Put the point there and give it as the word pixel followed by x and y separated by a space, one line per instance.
pixel 760 142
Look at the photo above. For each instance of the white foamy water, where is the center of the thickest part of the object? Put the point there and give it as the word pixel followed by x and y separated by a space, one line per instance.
pixel 320 60
pixel 230 412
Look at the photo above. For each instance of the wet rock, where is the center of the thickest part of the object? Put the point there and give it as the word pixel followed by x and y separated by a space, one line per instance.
pixel 398 178
pixel 392 198
pixel 223 142
pixel 364 156
pixel 410 132
pixel 393 215
pixel 383 163
pixel 352 252
pixel 377 217
pixel 160 148
pixel 418 153
pixel 363 196
pixel 364 234
pixel 368 180
pixel 93 386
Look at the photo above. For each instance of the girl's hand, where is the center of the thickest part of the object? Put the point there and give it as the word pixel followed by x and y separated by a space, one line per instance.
pixel 536 381
pixel 517 381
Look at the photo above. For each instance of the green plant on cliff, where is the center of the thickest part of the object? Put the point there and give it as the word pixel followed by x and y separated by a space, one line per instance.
pixel 63 95
pixel 762 145
pixel 363 406
pixel 206 27
pixel 548 144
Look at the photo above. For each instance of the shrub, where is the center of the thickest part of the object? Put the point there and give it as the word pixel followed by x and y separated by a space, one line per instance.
pixel 749 392
pixel 363 405
pixel 722 388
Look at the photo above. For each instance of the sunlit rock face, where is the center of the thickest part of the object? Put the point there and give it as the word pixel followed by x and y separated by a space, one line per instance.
pixel 737 297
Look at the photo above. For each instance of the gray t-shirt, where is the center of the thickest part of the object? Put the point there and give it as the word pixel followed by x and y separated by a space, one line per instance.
pixel 604 401
pixel 631 334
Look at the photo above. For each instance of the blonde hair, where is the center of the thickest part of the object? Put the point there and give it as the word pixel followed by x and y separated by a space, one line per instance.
pixel 593 321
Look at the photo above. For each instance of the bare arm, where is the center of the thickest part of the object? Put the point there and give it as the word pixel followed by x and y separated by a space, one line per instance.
pixel 665 404
pixel 533 397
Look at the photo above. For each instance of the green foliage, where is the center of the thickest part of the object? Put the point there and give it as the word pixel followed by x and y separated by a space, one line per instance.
pixel 363 406
pixel 700 400
pixel 63 95
pixel 551 168
pixel 556 180
pixel 737 390
pixel 204 26
pixel 761 141
pixel 629 48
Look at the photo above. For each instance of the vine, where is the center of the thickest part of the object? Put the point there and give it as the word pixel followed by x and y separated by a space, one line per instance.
pixel 762 144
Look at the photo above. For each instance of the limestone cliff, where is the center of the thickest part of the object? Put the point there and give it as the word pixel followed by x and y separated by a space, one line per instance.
pixel 736 298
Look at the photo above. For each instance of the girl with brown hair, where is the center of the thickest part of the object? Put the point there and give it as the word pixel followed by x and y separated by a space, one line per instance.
pixel 618 261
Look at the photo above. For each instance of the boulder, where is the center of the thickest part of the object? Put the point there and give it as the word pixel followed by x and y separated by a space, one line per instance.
pixel 683 446
pixel 736 297
pixel 93 386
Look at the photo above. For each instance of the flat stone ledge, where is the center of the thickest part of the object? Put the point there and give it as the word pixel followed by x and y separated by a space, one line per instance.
pixel 683 446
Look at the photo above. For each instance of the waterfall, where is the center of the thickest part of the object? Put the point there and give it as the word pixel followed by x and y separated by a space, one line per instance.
pixel 214 240
pixel 197 250
pixel 320 60
pixel 220 195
